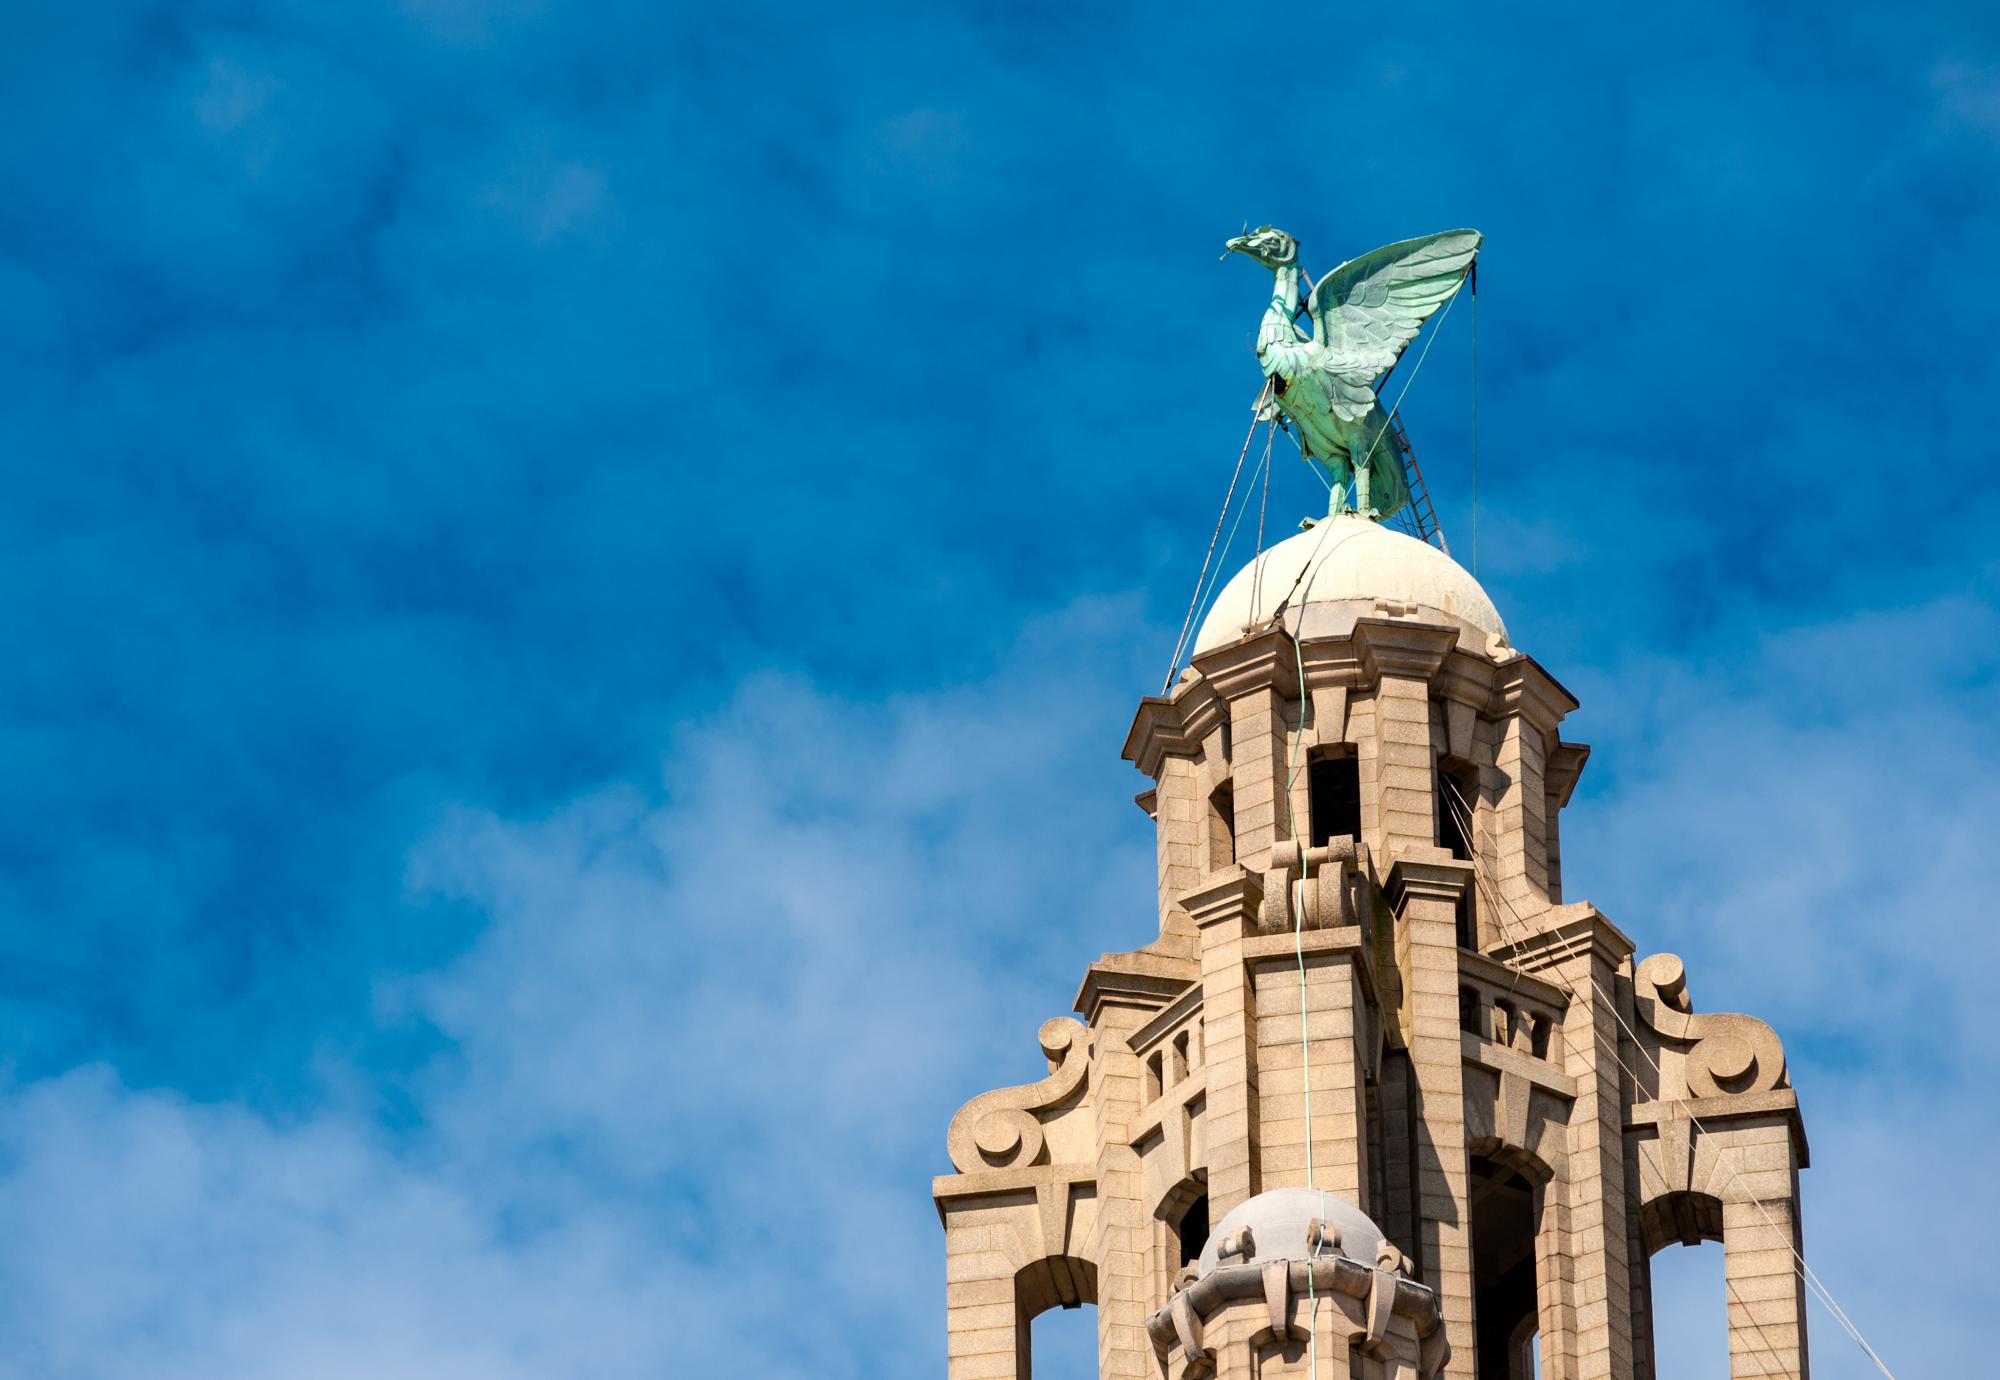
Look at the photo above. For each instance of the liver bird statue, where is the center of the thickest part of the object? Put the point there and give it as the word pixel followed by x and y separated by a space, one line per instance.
pixel 1363 314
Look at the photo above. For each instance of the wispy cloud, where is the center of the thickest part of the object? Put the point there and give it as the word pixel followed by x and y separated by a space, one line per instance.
pixel 422 414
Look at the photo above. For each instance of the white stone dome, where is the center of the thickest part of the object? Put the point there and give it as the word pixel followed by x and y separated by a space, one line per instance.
pixel 1352 568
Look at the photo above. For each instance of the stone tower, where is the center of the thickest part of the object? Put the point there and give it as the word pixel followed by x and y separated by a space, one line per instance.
pixel 1439 1118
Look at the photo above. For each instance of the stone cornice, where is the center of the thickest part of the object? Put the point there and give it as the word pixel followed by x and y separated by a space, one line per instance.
pixel 1251 664
pixel 1234 896
pixel 1171 1015
pixel 1720 1111
pixel 1174 724
pixel 1467 678
pixel 1426 874
pixel 1564 766
pixel 1158 727
pixel 1392 647
pixel 1565 932
pixel 1140 980
pixel 1331 661
pixel 1493 971
pixel 1523 687
pixel 1346 941
pixel 956 1190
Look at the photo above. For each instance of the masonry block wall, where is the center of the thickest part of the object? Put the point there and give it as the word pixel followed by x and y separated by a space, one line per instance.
pixel 1406 1016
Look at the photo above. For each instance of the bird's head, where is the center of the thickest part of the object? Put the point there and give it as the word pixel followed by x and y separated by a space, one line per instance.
pixel 1267 244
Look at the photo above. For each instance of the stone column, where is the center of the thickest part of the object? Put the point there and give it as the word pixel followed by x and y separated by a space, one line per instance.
pixel 1333 1033
pixel 1530 705
pixel 986 1338
pixel 1222 915
pixel 1401 658
pixel 1178 814
pixel 1121 993
pixel 1424 889
pixel 1583 955
pixel 1761 1246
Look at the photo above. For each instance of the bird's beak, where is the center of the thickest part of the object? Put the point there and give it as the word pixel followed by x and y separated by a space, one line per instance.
pixel 1235 246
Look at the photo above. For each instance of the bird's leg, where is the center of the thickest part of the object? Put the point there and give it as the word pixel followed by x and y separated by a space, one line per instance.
pixel 1361 492
pixel 1336 496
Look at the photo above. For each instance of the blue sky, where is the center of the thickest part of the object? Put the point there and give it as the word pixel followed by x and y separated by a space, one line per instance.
pixel 549 547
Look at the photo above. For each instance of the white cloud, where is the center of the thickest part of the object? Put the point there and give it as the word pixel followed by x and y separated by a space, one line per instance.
pixel 703 1055
pixel 703 1052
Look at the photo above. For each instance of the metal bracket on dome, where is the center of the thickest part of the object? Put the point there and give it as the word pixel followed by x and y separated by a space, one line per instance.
pixel 1187 1329
pixel 1278 1297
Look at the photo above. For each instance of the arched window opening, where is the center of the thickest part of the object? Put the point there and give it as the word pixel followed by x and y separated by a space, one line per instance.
pixel 1062 1345
pixel 1690 1312
pixel 1221 827
pixel 1468 1010
pixel 1191 1232
pixel 1689 1316
pixel 1334 785
pixel 1055 1327
pixel 1457 806
pixel 1504 1214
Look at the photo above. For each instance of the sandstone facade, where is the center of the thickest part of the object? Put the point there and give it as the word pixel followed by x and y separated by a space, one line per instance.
pixel 1368 987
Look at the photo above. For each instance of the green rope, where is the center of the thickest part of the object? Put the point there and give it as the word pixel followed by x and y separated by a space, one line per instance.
pixel 1203 594
pixel 1299 949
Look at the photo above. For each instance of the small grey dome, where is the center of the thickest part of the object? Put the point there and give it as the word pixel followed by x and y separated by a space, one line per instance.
pixel 1278 1222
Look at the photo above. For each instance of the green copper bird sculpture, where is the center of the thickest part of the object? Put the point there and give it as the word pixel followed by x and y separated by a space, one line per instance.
pixel 1364 314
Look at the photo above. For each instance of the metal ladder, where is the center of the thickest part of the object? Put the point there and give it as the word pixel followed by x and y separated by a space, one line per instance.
pixel 1420 519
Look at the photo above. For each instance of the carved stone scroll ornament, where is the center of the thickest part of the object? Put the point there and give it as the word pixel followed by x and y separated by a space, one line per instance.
pixel 1324 883
pixel 1728 1053
pixel 999 1129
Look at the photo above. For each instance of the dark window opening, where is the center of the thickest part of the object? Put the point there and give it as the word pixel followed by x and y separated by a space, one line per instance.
pixel 1468 920
pixel 1468 1010
pixel 1505 1211
pixel 1221 828
pixel 1456 797
pixel 1334 784
pixel 1538 1037
pixel 1155 1076
pixel 1193 1229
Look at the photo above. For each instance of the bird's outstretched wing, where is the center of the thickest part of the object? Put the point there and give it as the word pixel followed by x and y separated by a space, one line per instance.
pixel 1370 308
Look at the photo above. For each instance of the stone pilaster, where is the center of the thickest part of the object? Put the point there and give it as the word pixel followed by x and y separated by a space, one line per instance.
pixel 1258 680
pixel 1529 705
pixel 1330 1046
pixel 1424 889
pixel 1120 993
pixel 1222 912
pixel 1583 954
pixel 1761 1245
pixel 1401 658
pixel 1178 816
